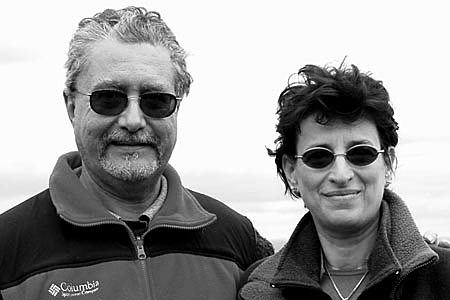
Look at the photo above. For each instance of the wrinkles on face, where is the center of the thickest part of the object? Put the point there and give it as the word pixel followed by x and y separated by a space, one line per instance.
pixel 339 196
pixel 129 168
pixel 129 146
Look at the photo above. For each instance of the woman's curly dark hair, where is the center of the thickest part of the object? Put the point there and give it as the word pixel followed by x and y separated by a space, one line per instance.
pixel 331 93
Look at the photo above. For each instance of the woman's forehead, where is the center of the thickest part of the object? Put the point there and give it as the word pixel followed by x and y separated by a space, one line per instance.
pixel 337 133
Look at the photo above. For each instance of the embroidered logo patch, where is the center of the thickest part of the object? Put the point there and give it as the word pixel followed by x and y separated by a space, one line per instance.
pixel 69 289
pixel 54 290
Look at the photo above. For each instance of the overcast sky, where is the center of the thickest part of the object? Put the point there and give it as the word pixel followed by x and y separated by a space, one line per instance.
pixel 241 54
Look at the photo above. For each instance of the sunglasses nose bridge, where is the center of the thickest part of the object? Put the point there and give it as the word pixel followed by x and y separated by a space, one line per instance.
pixel 132 118
pixel 133 97
pixel 336 156
pixel 341 170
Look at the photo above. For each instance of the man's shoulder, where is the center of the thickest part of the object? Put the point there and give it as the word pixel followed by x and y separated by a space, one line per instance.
pixel 27 206
pixel 26 230
pixel 218 207
pixel 231 231
pixel 26 213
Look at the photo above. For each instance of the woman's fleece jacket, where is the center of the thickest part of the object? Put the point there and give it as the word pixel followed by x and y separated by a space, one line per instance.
pixel 401 265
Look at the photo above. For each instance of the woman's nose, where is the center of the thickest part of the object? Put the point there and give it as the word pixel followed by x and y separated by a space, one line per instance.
pixel 341 170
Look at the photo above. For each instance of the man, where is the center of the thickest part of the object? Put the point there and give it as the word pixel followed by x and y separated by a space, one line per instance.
pixel 116 222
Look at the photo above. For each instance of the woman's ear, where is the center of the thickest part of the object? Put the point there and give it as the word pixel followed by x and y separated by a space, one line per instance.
pixel 289 167
pixel 391 156
pixel 70 104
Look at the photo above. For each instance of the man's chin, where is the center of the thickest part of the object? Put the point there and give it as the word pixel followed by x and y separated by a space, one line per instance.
pixel 130 171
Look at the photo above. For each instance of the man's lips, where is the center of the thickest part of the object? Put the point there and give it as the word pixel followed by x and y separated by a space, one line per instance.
pixel 128 146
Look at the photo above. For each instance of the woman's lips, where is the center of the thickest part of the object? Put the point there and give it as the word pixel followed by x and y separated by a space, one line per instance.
pixel 342 194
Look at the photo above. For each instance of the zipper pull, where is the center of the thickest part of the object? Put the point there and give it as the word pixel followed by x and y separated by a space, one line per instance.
pixel 140 248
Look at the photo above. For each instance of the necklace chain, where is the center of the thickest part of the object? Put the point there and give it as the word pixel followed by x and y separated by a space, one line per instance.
pixel 354 289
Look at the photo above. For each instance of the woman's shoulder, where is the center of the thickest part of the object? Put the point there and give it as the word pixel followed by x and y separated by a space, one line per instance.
pixel 263 269
pixel 258 276
pixel 431 281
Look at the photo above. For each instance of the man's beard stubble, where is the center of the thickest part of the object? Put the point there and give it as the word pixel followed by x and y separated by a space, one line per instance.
pixel 130 168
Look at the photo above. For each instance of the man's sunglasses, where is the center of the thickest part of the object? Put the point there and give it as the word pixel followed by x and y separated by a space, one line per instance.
pixel 153 104
pixel 359 155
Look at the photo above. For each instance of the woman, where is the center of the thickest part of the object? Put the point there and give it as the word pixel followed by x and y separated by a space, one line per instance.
pixel 335 151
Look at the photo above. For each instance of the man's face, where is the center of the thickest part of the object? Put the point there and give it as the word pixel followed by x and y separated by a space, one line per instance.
pixel 129 146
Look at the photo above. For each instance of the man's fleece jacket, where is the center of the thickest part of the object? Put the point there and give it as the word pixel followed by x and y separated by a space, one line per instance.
pixel 62 244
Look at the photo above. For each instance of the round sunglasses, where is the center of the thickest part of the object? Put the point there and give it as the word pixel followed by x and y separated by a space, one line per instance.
pixel 153 104
pixel 359 155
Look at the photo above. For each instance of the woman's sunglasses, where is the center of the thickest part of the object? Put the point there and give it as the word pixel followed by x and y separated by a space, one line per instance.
pixel 153 104
pixel 359 155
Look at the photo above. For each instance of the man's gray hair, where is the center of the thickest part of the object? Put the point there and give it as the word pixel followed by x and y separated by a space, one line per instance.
pixel 128 25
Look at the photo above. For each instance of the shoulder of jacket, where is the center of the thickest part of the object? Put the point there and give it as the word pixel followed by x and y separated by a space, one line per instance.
pixel 444 256
pixel 256 281
pixel 219 208
pixel 27 209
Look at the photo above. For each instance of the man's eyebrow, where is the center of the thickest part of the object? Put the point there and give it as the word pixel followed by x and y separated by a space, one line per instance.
pixel 109 84
pixel 155 87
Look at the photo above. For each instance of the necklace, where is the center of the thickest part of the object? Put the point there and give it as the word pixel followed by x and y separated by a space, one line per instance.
pixel 354 289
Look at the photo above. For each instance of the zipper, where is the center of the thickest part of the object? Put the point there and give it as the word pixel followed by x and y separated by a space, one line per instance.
pixel 139 243
pixel 115 222
pixel 142 256
pixel 183 227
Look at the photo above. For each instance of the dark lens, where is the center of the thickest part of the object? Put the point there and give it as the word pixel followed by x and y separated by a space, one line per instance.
pixel 109 103
pixel 318 158
pixel 158 105
pixel 362 155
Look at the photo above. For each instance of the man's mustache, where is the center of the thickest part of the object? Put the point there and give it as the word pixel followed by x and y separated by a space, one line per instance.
pixel 125 138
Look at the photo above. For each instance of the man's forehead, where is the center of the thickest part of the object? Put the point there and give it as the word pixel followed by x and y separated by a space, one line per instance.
pixel 128 66
pixel 125 85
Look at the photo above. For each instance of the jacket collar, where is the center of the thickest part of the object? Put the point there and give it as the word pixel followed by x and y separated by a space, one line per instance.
pixel 75 205
pixel 399 249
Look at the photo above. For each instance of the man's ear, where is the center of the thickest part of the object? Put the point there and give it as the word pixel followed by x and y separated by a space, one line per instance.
pixel 289 167
pixel 70 104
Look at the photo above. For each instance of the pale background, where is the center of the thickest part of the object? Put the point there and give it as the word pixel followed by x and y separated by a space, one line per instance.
pixel 241 54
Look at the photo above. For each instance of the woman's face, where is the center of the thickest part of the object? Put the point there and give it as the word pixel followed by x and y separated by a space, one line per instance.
pixel 341 196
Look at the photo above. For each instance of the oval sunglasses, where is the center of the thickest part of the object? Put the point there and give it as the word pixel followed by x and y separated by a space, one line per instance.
pixel 153 104
pixel 320 157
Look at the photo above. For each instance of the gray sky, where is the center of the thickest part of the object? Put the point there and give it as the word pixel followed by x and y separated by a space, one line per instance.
pixel 241 54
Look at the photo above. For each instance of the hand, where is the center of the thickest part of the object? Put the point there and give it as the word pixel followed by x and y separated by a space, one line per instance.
pixel 433 239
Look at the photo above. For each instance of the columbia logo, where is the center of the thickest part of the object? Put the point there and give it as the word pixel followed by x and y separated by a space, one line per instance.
pixel 54 290
pixel 70 289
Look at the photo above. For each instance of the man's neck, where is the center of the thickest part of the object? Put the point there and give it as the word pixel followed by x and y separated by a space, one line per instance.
pixel 348 252
pixel 128 200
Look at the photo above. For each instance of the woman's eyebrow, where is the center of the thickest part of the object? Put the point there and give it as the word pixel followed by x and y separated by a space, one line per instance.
pixel 359 142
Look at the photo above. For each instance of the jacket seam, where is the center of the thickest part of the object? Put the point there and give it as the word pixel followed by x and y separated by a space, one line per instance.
pixel 63 266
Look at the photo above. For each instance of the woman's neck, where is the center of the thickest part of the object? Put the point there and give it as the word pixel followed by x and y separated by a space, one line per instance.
pixel 348 252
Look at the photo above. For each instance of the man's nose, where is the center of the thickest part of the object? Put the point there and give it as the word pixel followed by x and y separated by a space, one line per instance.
pixel 132 118
pixel 341 170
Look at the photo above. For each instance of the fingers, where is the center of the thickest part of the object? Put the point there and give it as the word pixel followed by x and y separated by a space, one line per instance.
pixel 430 237
pixel 444 242
pixel 433 239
